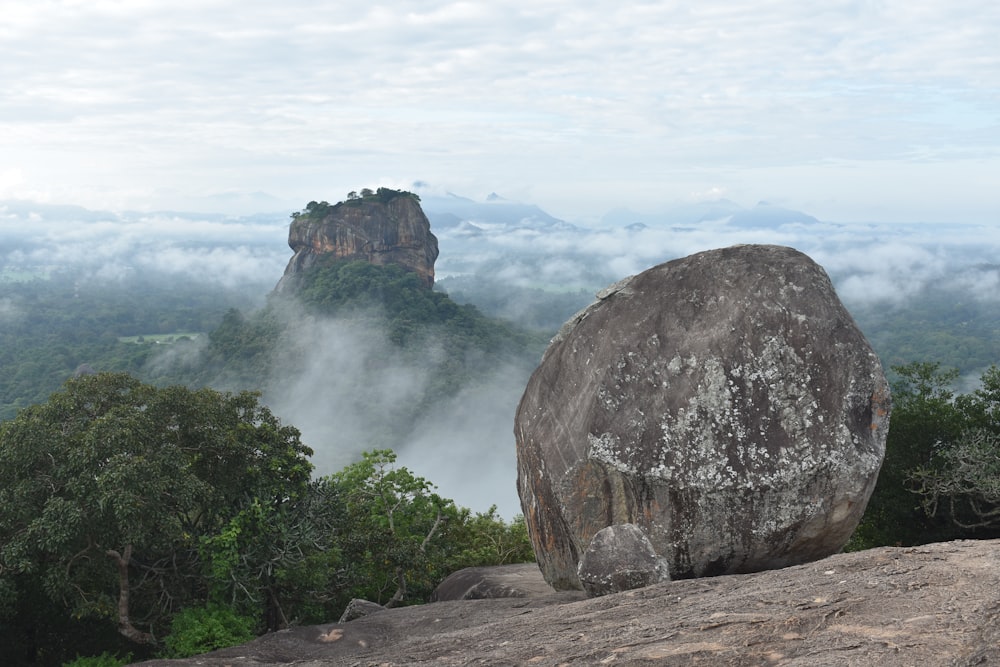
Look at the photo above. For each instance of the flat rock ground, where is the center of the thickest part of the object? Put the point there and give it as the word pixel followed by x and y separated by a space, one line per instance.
pixel 937 604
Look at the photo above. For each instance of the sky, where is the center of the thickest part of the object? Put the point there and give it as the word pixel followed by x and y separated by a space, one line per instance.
pixel 863 110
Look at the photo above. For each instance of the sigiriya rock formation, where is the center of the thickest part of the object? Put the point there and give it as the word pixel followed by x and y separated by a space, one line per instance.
pixel 386 227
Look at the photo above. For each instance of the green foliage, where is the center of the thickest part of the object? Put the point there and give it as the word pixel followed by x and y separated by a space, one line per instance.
pixel 940 475
pixel 279 560
pixel 122 503
pixel 319 210
pixel 967 479
pixel 409 309
pixel 105 659
pixel 36 630
pixel 400 538
pixel 488 540
pixel 202 629
pixel 943 325
pixel 962 482
pixel 52 327
pixel 982 406
pixel 107 490
pixel 923 414
pixel 395 540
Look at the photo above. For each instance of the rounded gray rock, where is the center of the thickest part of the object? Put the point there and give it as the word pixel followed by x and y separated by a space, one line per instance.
pixel 726 403
pixel 620 558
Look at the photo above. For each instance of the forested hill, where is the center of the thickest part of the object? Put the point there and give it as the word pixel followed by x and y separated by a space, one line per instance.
pixel 363 357
pixel 389 302
pixel 943 325
pixel 52 326
pixel 174 331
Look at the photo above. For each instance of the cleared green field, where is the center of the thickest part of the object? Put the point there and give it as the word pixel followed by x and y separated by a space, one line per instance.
pixel 12 275
pixel 162 338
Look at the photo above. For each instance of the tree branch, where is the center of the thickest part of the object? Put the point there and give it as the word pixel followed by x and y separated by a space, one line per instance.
pixel 430 534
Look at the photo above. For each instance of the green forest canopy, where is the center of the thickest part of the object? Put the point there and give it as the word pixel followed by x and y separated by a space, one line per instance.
pixel 125 506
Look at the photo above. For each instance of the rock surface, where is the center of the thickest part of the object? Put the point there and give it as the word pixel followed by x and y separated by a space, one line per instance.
pixel 934 605
pixel 726 403
pixel 395 231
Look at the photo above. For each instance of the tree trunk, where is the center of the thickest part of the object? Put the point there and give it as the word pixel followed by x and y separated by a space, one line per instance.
pixel 125 627
pixel 400 593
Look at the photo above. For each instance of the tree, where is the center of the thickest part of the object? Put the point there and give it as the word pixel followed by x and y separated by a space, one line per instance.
pixel 962 482
pixel 982 406
pixel 279 559
pixel 395 541
pixel 487 539
pixel 940 478
pixel 109 489
pixel 967 482
pixel 923 415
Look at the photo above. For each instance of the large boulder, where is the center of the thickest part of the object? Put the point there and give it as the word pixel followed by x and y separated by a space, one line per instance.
pixel 725 403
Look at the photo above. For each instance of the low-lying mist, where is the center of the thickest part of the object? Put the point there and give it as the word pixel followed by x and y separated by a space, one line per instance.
pixel 348 388
pixel 233 252
pixel 921 292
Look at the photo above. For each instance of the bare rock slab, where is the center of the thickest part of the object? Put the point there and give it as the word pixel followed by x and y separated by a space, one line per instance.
pixel 935 606
pixel 726 403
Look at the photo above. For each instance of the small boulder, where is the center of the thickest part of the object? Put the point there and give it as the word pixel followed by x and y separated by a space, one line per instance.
pixel 520 580
pixel 725 403
pixel 358 608
pixel 620 558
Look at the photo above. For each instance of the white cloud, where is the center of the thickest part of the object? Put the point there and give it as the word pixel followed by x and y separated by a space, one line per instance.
pixel 579 105
pixel 232 252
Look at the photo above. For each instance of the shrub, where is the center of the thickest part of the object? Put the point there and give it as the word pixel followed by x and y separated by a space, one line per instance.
pixel 202 629
pixel 103 660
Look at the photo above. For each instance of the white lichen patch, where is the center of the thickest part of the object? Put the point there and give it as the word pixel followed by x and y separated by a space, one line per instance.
pixel 724 434
pixel 607 448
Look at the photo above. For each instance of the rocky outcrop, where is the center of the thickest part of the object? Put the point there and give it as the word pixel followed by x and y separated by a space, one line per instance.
pixel 379 229
pixel 520 580
pixel 725 403
pixel 936 605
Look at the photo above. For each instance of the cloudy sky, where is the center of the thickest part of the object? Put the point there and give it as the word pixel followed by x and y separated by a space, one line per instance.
pixel 851 110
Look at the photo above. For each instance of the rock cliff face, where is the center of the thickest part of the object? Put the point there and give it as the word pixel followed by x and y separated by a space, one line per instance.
pixel 724 403
pixel 382 232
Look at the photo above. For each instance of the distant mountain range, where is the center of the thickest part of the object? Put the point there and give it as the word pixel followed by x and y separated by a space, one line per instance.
pixel 454 212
